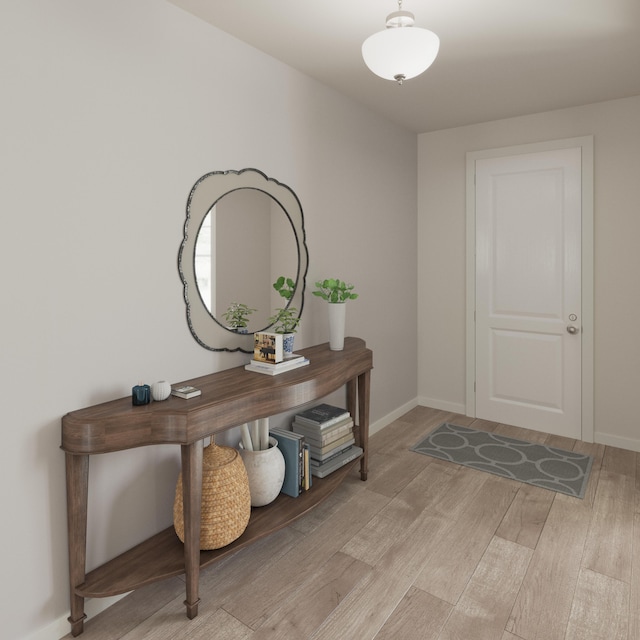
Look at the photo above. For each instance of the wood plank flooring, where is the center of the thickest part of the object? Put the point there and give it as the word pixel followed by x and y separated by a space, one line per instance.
pixel 424 550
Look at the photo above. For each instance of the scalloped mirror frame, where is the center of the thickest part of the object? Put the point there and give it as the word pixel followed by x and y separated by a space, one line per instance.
pixel 205 193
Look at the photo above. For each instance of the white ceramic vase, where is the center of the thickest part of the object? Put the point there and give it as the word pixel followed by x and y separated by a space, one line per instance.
pixel 265 470
pixel 160 390
pixel 337 315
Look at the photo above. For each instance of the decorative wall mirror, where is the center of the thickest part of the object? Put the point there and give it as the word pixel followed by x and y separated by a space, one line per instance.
pixel 243 230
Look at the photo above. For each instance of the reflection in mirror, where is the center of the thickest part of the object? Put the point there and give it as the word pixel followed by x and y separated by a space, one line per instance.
pixel 242 231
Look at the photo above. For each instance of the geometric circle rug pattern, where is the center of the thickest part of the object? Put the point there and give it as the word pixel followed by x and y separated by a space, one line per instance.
pixel 536 464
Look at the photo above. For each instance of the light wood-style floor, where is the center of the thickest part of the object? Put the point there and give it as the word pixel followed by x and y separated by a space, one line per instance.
pixel 424 550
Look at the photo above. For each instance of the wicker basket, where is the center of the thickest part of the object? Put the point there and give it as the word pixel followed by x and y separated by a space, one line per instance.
pixel 226 502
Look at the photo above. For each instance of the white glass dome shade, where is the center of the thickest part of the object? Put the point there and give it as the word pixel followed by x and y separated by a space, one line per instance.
pixel 400 53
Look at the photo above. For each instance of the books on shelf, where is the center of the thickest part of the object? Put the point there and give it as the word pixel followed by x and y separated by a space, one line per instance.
pixel 320 453
pixel 347 456
pixel 268 347
pixel 185 391
pixel 328 431
pixel 288 364
pixel 322 415
pixel 322 437
pixel 297 467
pixel 319 458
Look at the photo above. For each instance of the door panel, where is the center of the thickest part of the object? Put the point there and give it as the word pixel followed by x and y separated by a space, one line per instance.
pixel 528 239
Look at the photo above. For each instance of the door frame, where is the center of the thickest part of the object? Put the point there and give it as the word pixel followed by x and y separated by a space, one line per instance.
pixel 585 143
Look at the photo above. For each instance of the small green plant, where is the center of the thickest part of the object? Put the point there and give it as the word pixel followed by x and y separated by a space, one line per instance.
pixel 285 287
pixel 334 290
pixel 285 320
pixel 237 315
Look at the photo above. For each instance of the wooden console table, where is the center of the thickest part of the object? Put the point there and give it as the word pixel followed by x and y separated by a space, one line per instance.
pixel 229 398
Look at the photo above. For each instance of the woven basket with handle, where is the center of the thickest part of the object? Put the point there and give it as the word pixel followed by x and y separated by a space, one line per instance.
pixel 226 502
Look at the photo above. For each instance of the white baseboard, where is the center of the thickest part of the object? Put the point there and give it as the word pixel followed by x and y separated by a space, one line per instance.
pixel 394 415
pixel 442 405
pixel 61 627
pixel 631 444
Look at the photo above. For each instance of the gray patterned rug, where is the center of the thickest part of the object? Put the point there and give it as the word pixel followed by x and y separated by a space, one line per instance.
pixel 547 467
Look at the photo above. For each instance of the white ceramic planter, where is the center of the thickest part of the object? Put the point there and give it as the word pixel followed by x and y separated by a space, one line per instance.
pixel 337 316
pixel 265 470
pixel 287 344
pixel 160 390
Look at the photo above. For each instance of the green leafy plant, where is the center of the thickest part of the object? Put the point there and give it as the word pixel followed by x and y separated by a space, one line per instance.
pixel 285 320
pixel 237 315
pixel 334 290
pixel 285 287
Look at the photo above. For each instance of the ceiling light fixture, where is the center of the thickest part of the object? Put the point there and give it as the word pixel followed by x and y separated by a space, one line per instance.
pixel 401 51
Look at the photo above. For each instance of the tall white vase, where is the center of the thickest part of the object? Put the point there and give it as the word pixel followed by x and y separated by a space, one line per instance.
pixel 337 315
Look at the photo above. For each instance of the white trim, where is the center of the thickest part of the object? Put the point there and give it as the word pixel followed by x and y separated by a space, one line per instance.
pixel 630 444
pixel 442 405
pixel 61 627
pixel 378 425
pixel 586 145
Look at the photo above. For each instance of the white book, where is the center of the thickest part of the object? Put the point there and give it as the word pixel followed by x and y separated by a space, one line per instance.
pixel 275 369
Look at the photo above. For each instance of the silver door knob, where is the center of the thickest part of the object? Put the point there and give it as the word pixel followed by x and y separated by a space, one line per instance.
pixel 572 330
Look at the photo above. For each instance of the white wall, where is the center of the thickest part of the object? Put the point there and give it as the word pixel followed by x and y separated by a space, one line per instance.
pixel 441 249
pixel 110 112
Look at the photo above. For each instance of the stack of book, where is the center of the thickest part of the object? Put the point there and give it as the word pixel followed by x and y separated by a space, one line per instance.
pixel 297 472
pixel 268 355
pixel 328 431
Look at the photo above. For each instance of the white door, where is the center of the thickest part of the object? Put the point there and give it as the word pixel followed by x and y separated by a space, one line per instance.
pixel 528 290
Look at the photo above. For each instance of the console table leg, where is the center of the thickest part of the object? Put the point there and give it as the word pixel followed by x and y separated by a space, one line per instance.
pixel 77 477
pixel 364 392
pixel 192 504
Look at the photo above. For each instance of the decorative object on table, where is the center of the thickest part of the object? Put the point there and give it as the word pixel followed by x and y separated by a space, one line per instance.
pixel 297 476
pixel 289 364
pixel 263 461
pixel 185 391
pixel 268 347
pixel 336 292
pixel 226 501
pixel 237 317
pixel 286 319
pixel 328 432
pixel 285 322
pixel 160 390
pixel 537 464
pixel 141 394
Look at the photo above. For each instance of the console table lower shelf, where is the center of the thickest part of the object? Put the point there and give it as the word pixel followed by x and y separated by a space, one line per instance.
pixel 162 555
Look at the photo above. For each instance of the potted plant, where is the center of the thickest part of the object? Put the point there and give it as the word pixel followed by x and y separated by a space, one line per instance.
pixel 336 292
pixel 333 290
pixel 287 319
pixel 237 316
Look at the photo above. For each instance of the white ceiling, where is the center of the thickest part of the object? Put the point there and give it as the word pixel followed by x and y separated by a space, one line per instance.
pixel 498 58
